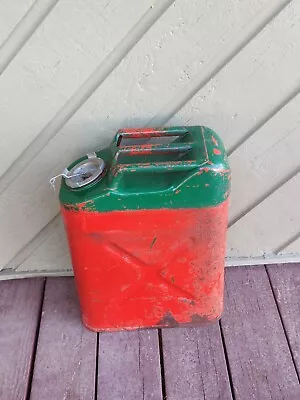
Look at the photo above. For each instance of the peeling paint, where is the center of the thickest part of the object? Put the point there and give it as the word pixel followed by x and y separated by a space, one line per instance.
pixel 214 140
pixel 168 320
pixel 217 151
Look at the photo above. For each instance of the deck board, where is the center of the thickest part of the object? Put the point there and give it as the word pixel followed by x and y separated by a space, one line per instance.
pixel 129 366
pixel 19 315
pixel 194 364
pixel 50 355
pixel 66 352
pixel 260 361
pixel 285 280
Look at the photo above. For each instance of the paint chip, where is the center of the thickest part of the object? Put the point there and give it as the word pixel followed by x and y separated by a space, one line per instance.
pixel 217 151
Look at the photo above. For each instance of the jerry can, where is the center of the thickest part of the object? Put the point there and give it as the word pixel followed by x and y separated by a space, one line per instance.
pixel 146 226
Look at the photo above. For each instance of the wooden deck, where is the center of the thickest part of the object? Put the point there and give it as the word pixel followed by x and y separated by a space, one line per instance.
pixel 253 353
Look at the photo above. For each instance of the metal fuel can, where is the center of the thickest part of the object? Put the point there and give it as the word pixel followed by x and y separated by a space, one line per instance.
pixel 146 225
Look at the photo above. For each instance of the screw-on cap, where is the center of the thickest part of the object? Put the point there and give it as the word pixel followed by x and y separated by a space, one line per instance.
pixel 85 172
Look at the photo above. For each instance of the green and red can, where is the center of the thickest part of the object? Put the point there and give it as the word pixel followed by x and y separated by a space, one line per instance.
pixel 146 225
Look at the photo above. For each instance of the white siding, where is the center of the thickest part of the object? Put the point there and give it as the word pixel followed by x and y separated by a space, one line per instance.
pixel 76 71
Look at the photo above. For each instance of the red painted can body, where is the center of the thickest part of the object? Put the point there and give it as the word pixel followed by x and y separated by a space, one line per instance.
pixel 148 268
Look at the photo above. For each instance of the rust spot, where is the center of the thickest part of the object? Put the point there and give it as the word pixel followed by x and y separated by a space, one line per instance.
pixel 168 320
pixel 217 151
pixel 86 205
pixel 187 301
pixel 177 191
pixel 207 184
pixel 199 319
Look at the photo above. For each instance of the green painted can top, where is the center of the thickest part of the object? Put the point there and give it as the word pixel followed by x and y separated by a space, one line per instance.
pixel 188 170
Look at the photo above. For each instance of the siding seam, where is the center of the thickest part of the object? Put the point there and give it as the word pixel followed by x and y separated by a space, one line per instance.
pixel 31 246
pixel 287 243
pixel 276 109
pixel 269 193
pixel 84 92
pixel 24 30
pixel 263 18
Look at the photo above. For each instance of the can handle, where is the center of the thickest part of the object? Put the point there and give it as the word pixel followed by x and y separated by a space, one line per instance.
pixel 119 169
pixel 147 133
pixel 148 149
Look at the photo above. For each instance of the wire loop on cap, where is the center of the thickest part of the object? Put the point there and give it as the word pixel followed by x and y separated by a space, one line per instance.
pixel 83 173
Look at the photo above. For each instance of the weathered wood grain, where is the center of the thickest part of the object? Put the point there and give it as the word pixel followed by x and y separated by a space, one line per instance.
pixel 285 280
pixel 129 366
pixel 194 364
pixel 19 315
pixel 66 351
pixel 260 361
